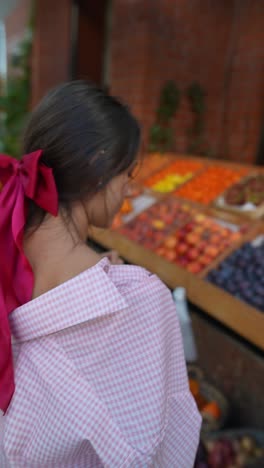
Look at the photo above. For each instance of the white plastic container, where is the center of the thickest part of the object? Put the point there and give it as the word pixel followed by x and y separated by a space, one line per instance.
pixel 190 350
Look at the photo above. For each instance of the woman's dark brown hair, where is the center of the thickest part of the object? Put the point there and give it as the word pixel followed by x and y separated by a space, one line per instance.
pixel 87 136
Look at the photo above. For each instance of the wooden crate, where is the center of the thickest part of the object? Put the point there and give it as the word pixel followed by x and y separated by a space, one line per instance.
pixel 242 318
pixel 160 162
pixel 253 170
pixel 228 218
pixel 204 165
pixel 239 316
pixel 256 213
pixel 252 231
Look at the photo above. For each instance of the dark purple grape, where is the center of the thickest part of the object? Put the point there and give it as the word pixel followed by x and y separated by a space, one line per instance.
pixel 201 455
pixel 259 289
pixel 242 275
pixel 258 301
pixel 231 287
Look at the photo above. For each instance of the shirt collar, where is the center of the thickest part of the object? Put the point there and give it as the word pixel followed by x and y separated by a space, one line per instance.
pixel 85 297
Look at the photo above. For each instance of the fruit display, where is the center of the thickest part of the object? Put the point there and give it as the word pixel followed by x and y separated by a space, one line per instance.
pixel 242 274
pixel 212 404
pixel 230 450
pixel 184 239
pixel 198 243
pixel 134 190
pixel 246 194
pixel 209 408
pixel 153 225
pixel 207 186
pixel 126 208
pixel 150 164
pixel 173 175
pixel 131 207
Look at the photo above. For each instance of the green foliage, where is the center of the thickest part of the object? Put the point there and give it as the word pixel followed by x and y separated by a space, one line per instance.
pixel 196 96
pixel 160 138
pixel 161 135
pixel 15 98
pixel 169 102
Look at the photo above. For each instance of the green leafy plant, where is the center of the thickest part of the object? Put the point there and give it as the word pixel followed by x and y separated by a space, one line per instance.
pixel 15 96
pixel 161 134
pixel 196 96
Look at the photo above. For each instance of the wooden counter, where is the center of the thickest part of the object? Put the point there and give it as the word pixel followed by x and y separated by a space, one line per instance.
pixel 239 316
pixel 245 320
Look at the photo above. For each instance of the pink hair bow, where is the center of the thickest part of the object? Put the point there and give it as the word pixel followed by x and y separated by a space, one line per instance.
pixel 21 180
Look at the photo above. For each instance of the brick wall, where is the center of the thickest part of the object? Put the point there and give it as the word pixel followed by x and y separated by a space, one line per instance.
pixel 217 43
pixel 51 59
pixel 16 24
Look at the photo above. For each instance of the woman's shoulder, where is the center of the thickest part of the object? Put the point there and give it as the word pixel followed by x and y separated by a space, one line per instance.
pixel 99 291
pixel 109 343
pixel 145 296
pixel 128 278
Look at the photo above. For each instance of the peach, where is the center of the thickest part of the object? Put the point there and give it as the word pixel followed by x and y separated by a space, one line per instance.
pixel 170 242
pixel 193 254
pixel 200 218
pixel 193 238
pixel 212 251
pixel 205 260
pixel 194 267
pixel 182 248
pixel 202 245
pixel 169 255
pixel 215 239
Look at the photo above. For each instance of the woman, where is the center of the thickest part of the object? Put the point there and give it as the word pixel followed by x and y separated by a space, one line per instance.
pixel 99 371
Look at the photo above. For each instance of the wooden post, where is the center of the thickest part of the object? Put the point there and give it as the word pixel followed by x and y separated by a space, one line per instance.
pixel 51 57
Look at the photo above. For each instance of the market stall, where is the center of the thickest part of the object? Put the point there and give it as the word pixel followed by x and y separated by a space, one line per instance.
pixel 197 223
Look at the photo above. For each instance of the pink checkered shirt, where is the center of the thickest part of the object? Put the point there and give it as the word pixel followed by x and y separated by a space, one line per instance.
pixel 100 377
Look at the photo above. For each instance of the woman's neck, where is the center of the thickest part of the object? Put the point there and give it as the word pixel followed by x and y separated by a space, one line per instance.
pixel 57 253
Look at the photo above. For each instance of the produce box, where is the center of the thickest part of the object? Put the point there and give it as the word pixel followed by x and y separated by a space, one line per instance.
pixel 244 319
pixel 210 401
pixel 151 226
pixel 238 448
pixel 245 197
pixel 150 164
pixel 242 273
pixel 173 175
pixel 139 201
pixel 199 242
pixel 139 246
pixel 210 183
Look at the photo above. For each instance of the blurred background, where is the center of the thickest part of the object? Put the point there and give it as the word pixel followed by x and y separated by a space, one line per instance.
pixel 192 72
pixel 210 51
